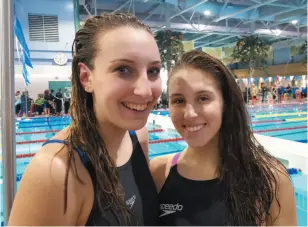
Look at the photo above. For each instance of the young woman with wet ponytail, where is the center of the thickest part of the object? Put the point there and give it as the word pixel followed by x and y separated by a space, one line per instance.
pixel 95 172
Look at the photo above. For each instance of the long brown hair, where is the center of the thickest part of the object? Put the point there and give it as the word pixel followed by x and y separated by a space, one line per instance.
pixel 246 170
pixel 84 129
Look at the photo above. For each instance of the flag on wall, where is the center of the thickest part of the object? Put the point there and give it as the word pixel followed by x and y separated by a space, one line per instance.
pixel 22 49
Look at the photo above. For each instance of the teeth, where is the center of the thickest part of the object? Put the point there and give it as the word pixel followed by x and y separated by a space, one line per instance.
pixel 134 106
pixel 195 128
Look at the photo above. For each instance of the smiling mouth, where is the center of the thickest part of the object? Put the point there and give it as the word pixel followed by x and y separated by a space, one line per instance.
pixel 194 128
pixel 135 106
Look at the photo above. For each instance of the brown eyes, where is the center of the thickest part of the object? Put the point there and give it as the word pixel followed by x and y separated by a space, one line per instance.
pixel 200 99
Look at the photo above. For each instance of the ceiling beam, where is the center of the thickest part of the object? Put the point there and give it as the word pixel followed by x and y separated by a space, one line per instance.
pixel 245 10
pixel 205 30
pixel 121 6
pixel 152 12
pixel 216 41
pixel 277 13
pixel 187 9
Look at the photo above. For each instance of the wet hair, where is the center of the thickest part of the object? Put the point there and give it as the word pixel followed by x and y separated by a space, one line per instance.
pixel 84 129
pixel 246 170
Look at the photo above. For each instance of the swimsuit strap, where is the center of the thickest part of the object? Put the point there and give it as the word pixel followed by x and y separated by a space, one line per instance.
pixel 83 156
pixel 175 159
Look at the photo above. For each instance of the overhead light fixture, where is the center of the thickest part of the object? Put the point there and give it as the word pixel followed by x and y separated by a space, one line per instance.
pixel 294 21
pixel 207 13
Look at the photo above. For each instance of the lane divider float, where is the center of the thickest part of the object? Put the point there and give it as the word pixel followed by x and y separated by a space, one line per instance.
pixel 28 155
pixel 178 138
pixel 280 115
pixel 279 129
pixel 55 131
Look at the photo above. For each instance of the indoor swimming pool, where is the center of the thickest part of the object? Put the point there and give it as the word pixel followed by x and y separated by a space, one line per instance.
pixel 284 122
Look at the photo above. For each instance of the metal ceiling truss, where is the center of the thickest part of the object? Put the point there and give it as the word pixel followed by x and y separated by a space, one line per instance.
pixel 234 26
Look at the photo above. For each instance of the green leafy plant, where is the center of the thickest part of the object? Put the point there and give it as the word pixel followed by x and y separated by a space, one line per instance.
pixel 164 99
pixel 170 47
pixel 303 50
pixel 251 51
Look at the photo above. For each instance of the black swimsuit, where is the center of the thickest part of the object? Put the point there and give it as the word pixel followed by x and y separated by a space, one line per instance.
pixel 139 188
pixel 189 202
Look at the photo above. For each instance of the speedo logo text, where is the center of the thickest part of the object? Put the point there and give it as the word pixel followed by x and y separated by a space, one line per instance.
pixel 170 208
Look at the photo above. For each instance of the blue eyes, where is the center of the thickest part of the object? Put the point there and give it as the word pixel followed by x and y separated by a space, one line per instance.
pixel 126 71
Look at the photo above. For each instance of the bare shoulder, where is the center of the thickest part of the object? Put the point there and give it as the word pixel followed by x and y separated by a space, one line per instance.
pixel 283 207
pixel 143 138
pixel 40 196
pixel 160 167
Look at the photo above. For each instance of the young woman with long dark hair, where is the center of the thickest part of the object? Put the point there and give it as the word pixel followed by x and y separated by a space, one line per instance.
pixel 95 172
pixel 223 177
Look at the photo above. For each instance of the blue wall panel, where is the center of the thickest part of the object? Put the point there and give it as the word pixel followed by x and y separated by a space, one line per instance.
pixel 64 9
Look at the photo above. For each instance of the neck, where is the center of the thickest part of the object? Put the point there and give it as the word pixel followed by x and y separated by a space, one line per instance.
pixel 117 142
pixel 111 134
pixel 206 157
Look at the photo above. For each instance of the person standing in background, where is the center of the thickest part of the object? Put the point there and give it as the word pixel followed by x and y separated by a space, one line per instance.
pixel 264 92
pixel 67 100
pixel 58 100
pixel 48 102
pixel 38 104
pixel 24 104
pixel 17 102
pixel 253 91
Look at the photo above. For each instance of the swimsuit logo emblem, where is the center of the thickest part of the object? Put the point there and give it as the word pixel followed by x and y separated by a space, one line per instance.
pixel 170 208
pixel 130 202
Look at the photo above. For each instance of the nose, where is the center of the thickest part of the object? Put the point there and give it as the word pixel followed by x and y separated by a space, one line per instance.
pixel 190 112
pixel 143 88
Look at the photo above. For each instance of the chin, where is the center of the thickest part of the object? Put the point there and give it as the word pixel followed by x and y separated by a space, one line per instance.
pixel 197 142
pixel 134 124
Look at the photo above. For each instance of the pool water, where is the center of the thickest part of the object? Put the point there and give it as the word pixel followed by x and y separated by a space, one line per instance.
pixel 285 122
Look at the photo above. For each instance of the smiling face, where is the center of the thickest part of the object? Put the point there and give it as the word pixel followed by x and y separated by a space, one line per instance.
pixel 196 105
pixel 125 82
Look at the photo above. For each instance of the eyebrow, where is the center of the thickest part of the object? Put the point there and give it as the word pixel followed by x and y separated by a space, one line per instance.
pixel 131 61
pixel 176 94
pixel 204 91
pixel 199 92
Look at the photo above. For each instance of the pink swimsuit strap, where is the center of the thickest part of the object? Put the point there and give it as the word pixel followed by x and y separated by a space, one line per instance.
pixel 175 159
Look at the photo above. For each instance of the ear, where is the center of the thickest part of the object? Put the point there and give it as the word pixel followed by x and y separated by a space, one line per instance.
pixel 85 77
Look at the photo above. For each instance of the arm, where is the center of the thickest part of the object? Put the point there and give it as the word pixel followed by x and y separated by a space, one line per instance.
pixel 286 199
pixel 40 197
